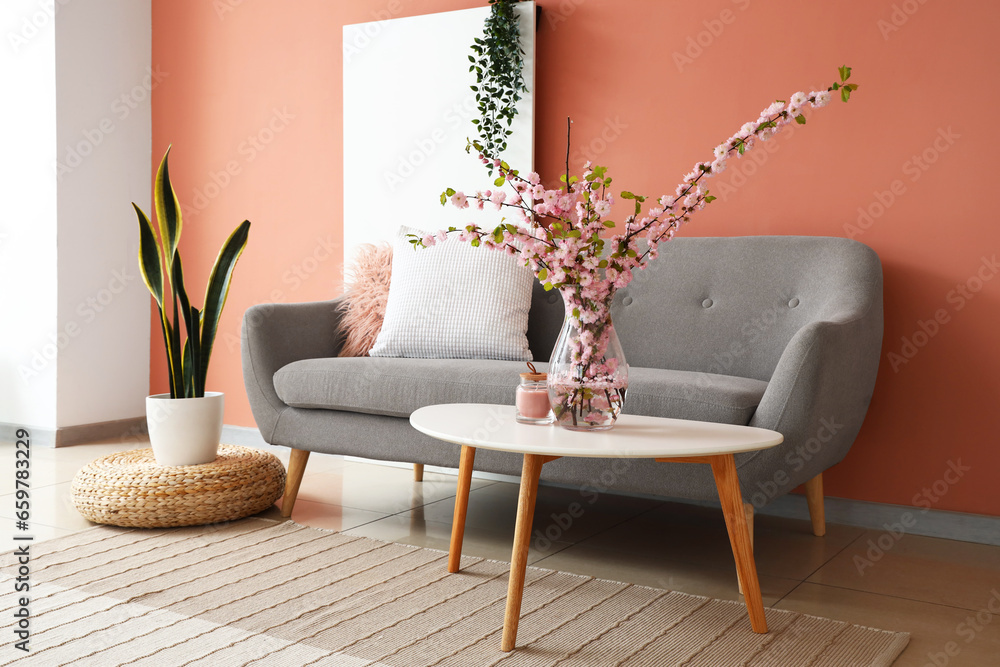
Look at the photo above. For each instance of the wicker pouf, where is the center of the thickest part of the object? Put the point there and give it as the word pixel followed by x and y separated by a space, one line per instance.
pixel 130 489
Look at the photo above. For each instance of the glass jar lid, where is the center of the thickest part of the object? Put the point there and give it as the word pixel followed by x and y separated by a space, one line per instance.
pixel 533 375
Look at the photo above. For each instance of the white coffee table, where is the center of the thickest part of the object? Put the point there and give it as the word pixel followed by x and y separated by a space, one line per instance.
pixel 494 427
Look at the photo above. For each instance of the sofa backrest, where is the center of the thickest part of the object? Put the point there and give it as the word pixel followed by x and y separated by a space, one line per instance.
pixel 728 305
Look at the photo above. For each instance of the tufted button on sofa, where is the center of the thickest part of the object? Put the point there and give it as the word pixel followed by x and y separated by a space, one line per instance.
pixel 780 332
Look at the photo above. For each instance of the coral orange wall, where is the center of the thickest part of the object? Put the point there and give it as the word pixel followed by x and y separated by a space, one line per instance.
pixel 254 87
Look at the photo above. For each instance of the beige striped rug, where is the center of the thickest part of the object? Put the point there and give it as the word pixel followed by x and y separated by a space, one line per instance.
pixel 268 593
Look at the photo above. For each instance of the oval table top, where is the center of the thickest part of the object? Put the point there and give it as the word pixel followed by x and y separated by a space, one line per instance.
pixel 494 427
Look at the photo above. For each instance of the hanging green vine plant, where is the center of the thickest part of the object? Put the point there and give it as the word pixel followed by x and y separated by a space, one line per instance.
pixel 499 82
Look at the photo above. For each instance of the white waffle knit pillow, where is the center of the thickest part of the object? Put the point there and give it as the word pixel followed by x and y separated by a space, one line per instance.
pixel 453 301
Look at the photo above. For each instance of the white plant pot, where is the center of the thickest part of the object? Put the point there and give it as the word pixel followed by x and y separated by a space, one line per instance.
pixel 185 431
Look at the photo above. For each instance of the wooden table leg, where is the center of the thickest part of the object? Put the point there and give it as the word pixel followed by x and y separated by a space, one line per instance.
pixel 461 507
pixel 530 473
pixel 724 469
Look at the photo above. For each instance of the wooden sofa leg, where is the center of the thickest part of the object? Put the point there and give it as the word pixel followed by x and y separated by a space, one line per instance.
pixel 814 498
pixel 418 472
pixel 293 479
pixel 748 511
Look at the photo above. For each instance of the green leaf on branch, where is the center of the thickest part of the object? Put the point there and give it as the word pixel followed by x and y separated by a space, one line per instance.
pixel 543 274
pixel 800 119
pixel 845 94
pixel 845 73
pixel 709 199
pixel 499 181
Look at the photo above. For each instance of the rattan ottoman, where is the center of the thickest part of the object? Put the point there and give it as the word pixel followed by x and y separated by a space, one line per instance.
pixel 130 489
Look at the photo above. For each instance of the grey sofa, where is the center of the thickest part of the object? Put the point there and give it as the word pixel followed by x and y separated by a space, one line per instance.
pixel 782 333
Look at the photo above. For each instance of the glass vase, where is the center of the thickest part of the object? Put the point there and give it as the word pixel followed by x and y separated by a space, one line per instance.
pixel 588 375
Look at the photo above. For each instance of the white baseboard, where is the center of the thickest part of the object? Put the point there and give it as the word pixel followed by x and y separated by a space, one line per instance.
pixel 959 526
pixel 245 436
pixel 65 436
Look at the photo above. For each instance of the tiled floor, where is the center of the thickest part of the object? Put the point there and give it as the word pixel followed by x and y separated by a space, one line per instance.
pixel 940 591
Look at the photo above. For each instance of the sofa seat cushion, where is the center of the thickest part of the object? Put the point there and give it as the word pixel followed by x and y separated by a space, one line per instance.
pixel 396 387
pixel 707 397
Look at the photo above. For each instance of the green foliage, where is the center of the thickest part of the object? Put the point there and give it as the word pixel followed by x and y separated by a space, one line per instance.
pixel 160 265
pixel 498 64
pixel 845 88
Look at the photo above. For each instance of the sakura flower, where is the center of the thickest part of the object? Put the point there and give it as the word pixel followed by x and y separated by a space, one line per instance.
pixel 498 198
pixel 798 99
pixel 459 200
pixel 775 107
pixel 820 99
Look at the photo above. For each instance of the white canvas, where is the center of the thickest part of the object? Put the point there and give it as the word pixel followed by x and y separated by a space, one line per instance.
pixel 407 113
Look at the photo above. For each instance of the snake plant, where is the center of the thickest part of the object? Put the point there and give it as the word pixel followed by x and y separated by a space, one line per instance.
pixel 163 273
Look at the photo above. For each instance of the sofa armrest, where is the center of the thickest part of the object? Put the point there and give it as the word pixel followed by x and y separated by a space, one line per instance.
pixel 276 334
pixel 817 399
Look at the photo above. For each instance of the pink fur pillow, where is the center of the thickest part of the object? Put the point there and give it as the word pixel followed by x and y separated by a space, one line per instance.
pixel 365 298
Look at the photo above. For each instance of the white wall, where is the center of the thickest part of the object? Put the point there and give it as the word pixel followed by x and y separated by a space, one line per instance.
pixel 103 130
pixel 74 339
pixel 28 222
pixel 407 113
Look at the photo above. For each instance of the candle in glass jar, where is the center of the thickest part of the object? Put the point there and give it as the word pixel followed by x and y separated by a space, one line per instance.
pixel 531 399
